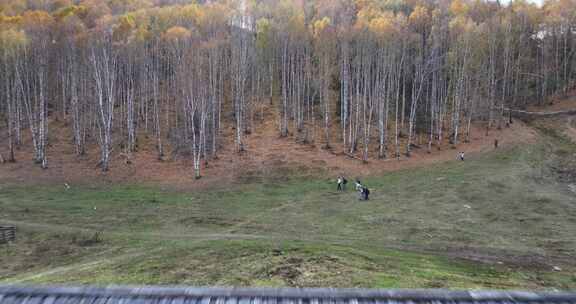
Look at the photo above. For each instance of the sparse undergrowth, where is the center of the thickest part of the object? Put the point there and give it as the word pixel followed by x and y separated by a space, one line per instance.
pixel 501 220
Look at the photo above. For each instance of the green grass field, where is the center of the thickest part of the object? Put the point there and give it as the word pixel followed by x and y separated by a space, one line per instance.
pixel 502 220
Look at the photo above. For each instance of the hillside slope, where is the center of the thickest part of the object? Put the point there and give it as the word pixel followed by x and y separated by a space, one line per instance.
pixel 266 152
pixel 503 219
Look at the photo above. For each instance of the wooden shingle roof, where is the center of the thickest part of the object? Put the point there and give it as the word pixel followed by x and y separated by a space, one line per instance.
pixel 185 295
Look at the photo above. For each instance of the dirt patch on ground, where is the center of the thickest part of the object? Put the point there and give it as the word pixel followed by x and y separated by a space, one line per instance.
pixel 570 128
pixel 311 271
pixel 40 249
pixel 289 270
pixel 267 156
pixel 514 260
pixel 558 103
pixel 208 221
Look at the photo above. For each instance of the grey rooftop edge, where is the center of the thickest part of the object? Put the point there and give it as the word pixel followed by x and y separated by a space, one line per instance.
pixel 16 294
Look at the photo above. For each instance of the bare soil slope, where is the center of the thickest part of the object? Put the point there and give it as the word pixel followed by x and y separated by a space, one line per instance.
pixel 266 153
pixel 558 103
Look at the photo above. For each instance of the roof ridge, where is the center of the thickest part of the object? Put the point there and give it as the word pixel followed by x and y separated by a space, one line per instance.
pixel 289 293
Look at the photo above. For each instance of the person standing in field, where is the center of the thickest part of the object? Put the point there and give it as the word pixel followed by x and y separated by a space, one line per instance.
pixel 366 193
pixel 341 183
pixel 358 185
pixel 461 156
pixel 360 189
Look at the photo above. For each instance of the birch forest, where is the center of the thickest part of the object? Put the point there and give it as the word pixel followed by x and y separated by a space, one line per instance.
pixel 372 78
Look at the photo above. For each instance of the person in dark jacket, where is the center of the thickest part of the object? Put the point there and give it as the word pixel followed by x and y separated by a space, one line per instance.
pixel 365 193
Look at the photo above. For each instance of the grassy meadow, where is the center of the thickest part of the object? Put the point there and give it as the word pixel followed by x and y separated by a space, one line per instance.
pixel 502 220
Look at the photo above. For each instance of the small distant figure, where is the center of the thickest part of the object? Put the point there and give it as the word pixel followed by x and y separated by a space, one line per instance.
pixel 365 193
pixel 341 183
pixel 358 185
pixel 495 143
pixel 461 156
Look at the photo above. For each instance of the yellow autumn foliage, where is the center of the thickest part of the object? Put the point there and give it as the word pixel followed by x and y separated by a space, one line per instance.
pixel 383 26
pixel 177 33
pixel 11 40
pixel 459 7
pixel 319 26
pixel 420 17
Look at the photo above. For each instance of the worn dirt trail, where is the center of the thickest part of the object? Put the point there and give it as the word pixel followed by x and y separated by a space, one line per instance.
pixel 102 259
pixel 55 228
